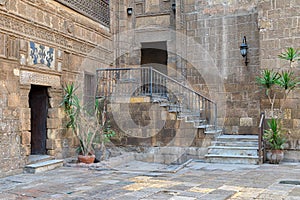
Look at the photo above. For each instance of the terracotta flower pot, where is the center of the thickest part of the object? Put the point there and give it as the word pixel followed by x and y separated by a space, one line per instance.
pixel 86 159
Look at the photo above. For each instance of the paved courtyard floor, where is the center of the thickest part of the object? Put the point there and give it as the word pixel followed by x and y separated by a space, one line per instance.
pixel 137 180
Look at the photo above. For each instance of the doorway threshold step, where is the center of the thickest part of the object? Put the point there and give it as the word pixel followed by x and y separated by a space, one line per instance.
pixel 43 166
pixel 39 158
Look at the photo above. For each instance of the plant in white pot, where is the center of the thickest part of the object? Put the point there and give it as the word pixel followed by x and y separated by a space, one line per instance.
pixel 88 125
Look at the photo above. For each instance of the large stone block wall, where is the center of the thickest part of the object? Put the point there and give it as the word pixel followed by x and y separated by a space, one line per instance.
pixel 11 151
pixel 278 23
pixel 144 124
pixel 151 21
pixel 76 44
pixel 216 30
pixel 203 39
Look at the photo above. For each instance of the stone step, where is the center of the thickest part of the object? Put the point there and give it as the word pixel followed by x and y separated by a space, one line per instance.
pixel 38 158
pixel 238 138
pixel 232 159
pixel 189 114
pixel 235 143
pixel 43 166
pixel 236 151
pixel 164 104
pixel 213 131
pixel 196 121
pixel 204 126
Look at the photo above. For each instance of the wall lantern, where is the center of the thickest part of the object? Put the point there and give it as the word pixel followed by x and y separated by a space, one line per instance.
pixel 244 49
pixel 129 11
pixel 174 7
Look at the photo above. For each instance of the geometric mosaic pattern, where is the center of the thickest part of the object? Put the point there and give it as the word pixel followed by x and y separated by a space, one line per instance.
pixel 40 54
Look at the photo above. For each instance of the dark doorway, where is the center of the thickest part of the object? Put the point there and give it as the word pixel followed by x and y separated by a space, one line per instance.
pixel 154 55
pixel 38 102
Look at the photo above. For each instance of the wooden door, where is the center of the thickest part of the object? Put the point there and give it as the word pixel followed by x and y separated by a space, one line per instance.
pixel 38 102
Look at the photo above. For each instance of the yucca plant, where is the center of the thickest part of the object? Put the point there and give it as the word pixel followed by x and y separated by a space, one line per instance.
pixel 288 82
pixel 269 80
pixel 89 126
pixel 290 55
pixel 70 103
pixel 274 135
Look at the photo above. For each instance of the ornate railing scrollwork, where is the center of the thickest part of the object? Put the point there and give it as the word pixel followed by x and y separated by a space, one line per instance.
pixel 97 10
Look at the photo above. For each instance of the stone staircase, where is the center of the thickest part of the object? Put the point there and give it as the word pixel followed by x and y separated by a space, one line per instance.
pixel 183 113
pixel 234 149
pixel 41 163
pixel 176 96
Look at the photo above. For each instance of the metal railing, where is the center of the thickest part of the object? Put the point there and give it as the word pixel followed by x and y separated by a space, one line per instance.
pixel 146 81
pixel 261 142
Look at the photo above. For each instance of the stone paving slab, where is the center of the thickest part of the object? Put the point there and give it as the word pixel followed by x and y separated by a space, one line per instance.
pixel 195 181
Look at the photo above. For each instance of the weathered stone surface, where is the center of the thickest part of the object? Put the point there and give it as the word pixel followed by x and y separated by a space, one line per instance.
pixel 26 138
pixel 27 77
pixel 43 61
pixel 247 121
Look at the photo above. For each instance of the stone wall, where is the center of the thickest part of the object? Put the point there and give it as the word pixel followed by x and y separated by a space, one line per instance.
pixel 279 23
pixel 43 43
pixel 151 21
pixel 144 124
pixel 215 66
pixel 203 39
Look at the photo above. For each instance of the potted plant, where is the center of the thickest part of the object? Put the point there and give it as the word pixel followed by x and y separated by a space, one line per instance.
pixel 88 124
pixel 278 85
pixel 276 141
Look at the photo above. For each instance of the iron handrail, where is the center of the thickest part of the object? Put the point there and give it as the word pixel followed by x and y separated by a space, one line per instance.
pixel 167 77
pixel 182 85
pixel 261 145
pixel 154 83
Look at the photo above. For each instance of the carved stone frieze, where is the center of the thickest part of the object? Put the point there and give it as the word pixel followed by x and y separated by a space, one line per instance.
pixel 36 78
pixel 13 47
pixel 2 45
pixel 14 25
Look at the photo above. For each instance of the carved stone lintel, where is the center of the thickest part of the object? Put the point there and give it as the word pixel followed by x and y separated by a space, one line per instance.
pixel 28 77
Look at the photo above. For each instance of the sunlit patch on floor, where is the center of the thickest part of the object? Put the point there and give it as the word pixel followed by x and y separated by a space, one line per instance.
pixel 201 190
pixel 141 182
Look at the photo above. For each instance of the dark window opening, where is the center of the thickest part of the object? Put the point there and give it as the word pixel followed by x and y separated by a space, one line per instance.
pixel 97 10
pixel 89 90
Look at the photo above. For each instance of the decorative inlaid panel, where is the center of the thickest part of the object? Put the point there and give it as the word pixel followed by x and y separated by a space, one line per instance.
pixel 40 54
pixel 97 10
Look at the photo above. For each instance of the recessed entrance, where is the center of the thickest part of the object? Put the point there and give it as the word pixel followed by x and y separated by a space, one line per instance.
pixel 154 55
pixel 38 102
